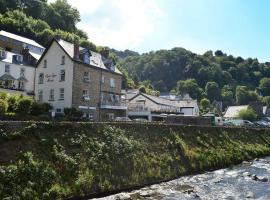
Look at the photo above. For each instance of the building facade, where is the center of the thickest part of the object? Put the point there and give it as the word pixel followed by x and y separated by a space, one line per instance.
pixel 17 62
pixel 70 76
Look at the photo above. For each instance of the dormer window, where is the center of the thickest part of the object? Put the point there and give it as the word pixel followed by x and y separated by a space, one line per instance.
pixel 112 67
pixel 86 77
pixel 19 58
pixel 45 64
pixel 63 60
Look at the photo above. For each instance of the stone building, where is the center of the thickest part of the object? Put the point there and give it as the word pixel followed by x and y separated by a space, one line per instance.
pixel 68 75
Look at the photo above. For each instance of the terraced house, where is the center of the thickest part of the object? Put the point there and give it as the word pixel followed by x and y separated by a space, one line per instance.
pixel 18 57
pixel 68 75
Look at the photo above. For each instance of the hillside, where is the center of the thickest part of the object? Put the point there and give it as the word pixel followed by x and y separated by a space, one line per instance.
pixel 216 76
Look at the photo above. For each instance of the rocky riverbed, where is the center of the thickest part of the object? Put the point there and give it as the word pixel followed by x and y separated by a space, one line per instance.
pixel 249 180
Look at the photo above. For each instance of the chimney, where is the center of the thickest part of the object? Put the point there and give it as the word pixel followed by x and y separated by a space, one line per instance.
pixel 25 54
pixel 76 51
pixel 57 37
pixel 105 52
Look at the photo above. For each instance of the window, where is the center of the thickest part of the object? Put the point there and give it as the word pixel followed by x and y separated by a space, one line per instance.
pixel 7 68
pixel 19 58
pixel 85 95
pixel 63 60
pixel 86 77
pixel 58 110
pixel 45 64
pixel 40 95
pixel 22 72
pixel 51 97
pixel 41 78
pixel 3 54
pixel 112 82
pixel 62 75
pixel 61 94
pixel 102 79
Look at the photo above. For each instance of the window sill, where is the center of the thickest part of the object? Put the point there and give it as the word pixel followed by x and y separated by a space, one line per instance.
pixel 51 100
pixel 61 99
pixel 62 80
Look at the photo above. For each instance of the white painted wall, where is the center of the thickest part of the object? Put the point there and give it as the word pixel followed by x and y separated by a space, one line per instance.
pixel 15 71
pixel 53 57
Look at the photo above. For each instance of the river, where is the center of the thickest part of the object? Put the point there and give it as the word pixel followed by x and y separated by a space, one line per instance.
pixel 249 180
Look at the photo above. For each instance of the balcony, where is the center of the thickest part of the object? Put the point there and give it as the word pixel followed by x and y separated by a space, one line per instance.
pixel 113 105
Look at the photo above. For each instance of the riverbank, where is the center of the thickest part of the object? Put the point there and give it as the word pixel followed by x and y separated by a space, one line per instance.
pixel 247 180
pixel 65 160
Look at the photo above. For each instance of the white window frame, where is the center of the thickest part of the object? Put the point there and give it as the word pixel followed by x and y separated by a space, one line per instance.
pixel 51 95
pixel 86 76
pixel 102 79
pixel 62 75
pixel 41 78
pixel 61 93
pixel 63 58
pixel 40 95
pixel 45 63
pixel 112 82
pixel 19 58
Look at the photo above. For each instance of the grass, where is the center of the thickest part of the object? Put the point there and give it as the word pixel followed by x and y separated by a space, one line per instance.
pixel 87 158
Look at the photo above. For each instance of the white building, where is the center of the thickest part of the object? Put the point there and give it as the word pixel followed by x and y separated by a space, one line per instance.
pixel 153 108
pixel 18 57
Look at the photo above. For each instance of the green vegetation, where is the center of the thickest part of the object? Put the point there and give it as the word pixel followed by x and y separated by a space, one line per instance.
pixel 247 114
pixel 60 160
pixel 218 76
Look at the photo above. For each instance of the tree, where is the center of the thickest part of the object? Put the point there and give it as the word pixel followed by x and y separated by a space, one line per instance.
pixel 266 101
pixel 212 91
pixel 265 86
pixel 247 114
pixel 205 104
pixel 142 89
pixel 3 106
pixel 190 87
pixel 219 53
pixel 242 95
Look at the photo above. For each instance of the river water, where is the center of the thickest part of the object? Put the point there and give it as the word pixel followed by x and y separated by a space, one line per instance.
pixel 249 180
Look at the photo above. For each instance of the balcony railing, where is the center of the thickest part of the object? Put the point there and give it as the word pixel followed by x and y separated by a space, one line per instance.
pixel 113 105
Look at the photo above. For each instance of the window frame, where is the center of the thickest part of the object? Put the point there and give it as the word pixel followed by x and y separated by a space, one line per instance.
pixel 62 71
pixel 112 82
pixel 7 66
pixel 86 78
pixel 63 60
pixel 61 94
pixel 39 76
pixel 51 95
pixel 45 63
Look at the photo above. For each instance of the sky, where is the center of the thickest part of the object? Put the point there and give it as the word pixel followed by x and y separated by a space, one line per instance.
pixel 237 27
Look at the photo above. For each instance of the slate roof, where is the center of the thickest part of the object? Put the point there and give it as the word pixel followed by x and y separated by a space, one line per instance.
pixel 9 59
pixel 7 77
pixel 232 111
pixel 20 38
pixel 95 58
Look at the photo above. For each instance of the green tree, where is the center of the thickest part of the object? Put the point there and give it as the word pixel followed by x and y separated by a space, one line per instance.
pixel 3 106
pixel 266 101
pixel 190 87
pixel 212 90
pixel 247 114
pixel 265 86
pixel 205 104
pixel 242 95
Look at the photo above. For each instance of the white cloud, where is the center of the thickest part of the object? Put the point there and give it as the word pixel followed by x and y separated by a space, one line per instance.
pixel 120 24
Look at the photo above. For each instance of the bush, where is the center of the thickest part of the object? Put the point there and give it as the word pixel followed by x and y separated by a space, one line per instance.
pixel 3 96
pixel 73 113
pixel 3 106
pixel 24 106
pixel 247 114
pixel 12 103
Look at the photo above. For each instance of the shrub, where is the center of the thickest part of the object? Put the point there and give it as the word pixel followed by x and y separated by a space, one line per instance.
pixel 39 109
pixel 12 103
pixel 247 114
pixel 3 106
pixel 3 96
pixel 73 113
pixel 24 106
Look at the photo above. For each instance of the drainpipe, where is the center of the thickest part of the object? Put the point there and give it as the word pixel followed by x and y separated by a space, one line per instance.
pixel 99 105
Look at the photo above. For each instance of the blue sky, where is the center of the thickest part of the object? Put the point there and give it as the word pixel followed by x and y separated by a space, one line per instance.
pixel 237 27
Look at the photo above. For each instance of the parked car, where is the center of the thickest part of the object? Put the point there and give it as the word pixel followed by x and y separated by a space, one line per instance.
pixel 140 120
pixel 122 119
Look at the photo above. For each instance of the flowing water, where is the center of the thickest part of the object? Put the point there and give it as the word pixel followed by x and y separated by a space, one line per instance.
pixel 250 180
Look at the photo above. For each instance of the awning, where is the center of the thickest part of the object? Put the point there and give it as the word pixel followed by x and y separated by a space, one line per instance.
pixel 7 77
